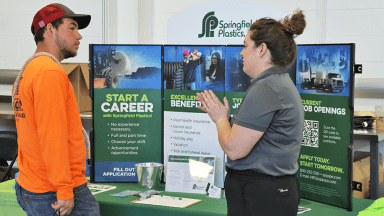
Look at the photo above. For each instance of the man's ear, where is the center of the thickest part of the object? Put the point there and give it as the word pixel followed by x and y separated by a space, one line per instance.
pixel 50 29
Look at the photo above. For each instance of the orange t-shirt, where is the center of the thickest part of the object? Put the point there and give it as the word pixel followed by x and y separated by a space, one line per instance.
pixel 52 152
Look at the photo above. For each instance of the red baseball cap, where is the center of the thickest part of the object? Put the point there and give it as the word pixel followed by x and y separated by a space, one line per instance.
pixel 56 11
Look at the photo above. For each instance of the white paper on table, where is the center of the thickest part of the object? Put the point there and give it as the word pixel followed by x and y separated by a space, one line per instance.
pixel 162 201
pixel 96 188
pixel 302 210
pixel 190 173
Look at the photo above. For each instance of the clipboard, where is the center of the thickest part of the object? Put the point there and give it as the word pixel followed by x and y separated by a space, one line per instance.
pixel 176 202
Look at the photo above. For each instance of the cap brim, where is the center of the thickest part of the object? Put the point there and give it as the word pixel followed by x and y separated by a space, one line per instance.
pixel 82 20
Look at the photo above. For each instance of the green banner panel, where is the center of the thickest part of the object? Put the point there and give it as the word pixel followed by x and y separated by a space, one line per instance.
pixel 184 100
pixel 187 70
pixel 323 161
pixel 323 79
pixel 234 100
pixel 127 109
pixel 130 120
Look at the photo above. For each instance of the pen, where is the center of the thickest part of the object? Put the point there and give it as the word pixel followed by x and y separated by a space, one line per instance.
pixel 171 197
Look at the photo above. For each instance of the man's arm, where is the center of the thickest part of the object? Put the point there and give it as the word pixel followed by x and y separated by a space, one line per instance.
pixel 50 95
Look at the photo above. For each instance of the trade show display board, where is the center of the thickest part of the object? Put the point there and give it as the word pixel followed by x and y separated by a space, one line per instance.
pixel 145 109
pixel 188 130
pixel 127 109
pixel 324 80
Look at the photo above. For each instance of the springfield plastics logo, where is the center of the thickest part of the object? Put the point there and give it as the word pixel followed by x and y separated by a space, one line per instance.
pixel 195 187
pixel 210 22
pixel 225 29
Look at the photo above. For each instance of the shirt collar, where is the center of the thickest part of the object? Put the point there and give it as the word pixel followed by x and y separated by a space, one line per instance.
pixel 268 72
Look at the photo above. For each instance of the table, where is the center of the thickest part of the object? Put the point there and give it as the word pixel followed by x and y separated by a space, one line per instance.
pixel 110 205
pixel 375 137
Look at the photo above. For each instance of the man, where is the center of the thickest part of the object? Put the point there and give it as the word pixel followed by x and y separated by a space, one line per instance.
pixel 190 68
pixel 52 152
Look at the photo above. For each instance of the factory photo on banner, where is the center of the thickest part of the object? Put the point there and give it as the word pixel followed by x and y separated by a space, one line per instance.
pixel 190 69
pixel 323 74
pixel 127 109
pixel 237 82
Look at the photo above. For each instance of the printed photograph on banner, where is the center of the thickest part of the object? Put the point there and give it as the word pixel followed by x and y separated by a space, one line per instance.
pixel 236 80
pixel 194 67
pixel 323 69
pixel 127 66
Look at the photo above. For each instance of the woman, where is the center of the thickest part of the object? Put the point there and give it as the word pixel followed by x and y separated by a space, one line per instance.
pixel 216 70
pixel 262 140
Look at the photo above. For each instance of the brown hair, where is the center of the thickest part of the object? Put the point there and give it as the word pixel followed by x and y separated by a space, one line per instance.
pixel 39 36
pixel 279 36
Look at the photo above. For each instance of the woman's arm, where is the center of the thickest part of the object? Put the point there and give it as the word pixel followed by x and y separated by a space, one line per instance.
pixel 236 141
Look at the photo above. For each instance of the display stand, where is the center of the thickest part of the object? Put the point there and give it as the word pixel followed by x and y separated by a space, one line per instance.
pixel 167 80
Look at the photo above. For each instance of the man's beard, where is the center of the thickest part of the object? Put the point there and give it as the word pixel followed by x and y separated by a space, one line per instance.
pixel 67 53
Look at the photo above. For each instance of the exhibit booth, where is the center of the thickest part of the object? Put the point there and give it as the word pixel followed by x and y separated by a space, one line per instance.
pixel 145 107
pixel 154 152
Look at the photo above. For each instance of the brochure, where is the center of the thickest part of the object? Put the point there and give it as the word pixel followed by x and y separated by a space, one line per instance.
pixel 96 188
pixel 302 210
pixel 189 173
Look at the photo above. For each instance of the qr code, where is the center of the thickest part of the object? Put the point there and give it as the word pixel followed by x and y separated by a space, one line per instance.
pixel 311 134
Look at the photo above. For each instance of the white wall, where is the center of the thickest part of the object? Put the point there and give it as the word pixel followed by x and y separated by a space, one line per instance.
pixel 340 21
pixel 163 9
pixel 359 22
pixel 128 22
pixel 16 39
pixel 345 21
pixel 145 22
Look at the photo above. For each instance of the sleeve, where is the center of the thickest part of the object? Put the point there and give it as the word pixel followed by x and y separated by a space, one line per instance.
pixel 258 108
pixel 50 97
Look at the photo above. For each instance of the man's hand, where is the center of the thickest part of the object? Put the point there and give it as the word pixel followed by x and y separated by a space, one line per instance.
pixel 65 206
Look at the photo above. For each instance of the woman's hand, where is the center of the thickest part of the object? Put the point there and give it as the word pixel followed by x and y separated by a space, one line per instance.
pixel 212 105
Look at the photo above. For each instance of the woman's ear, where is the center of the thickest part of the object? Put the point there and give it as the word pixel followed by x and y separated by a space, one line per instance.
pixel 263 49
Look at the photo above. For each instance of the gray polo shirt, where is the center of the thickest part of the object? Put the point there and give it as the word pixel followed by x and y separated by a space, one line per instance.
pixel 271 105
